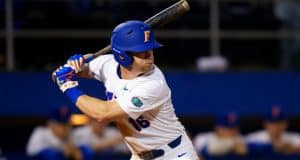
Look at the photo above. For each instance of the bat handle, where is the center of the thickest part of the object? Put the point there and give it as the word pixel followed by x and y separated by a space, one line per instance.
pixel 88 57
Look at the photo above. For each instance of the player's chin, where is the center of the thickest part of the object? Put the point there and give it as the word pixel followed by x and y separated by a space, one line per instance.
pixel 148 66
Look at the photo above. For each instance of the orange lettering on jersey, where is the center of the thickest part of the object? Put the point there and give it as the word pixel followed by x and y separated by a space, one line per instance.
pixel 147 36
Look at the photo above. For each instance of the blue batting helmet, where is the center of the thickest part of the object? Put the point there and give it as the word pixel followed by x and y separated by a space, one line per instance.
pixel 131 36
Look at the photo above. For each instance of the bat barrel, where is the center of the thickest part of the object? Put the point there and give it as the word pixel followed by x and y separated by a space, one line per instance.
pixel 168 14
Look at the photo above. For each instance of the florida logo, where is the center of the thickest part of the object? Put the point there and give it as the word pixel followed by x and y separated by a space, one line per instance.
pixel 147 36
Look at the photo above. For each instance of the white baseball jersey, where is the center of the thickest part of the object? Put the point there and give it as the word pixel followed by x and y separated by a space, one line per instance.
pixel 43 138
pixel 151 120
pixel 263 137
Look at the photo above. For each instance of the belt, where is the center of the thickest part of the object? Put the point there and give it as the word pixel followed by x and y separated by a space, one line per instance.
pixel 155 153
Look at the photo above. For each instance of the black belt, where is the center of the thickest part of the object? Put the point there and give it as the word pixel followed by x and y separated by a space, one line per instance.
pixel 149 155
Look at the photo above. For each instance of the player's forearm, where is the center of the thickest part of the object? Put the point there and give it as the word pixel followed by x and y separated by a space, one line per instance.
pixel 240 148
pixel 293 149
pixel 92 107
pixel 71 151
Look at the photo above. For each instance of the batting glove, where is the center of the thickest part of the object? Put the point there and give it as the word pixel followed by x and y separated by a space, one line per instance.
pixel 65 77
pixel 76 62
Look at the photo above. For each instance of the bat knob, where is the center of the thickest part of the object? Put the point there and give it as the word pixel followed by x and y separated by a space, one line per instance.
pixel 53 77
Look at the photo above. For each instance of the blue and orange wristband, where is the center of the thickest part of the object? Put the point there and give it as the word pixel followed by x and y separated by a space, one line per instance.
pixel 73 94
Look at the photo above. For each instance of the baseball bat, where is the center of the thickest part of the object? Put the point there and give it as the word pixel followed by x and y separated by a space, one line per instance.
pixel 158 20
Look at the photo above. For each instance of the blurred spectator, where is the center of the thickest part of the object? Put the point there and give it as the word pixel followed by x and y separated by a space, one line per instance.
pixel 103 140
pixel 52 141
pixel 274 136
pixel 1 155
pixel 288 12
pixel 212 64
pixel 225 142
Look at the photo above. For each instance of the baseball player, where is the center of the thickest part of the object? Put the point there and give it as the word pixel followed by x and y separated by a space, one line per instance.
pixel 103 140
pixel 139 99
pixel 225 142
pixel 275 136
pixel 52 141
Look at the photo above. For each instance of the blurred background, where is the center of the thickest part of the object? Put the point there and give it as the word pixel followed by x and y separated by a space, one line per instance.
pixel 224 55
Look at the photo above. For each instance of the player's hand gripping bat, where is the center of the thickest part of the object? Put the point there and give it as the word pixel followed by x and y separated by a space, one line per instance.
pixel 158 20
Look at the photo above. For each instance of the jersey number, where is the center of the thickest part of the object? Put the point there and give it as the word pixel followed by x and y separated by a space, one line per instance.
pixel 139 123
pixel 109 95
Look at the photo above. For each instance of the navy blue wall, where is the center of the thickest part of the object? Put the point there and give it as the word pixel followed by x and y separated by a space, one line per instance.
pixel 193 93
pixel 246 93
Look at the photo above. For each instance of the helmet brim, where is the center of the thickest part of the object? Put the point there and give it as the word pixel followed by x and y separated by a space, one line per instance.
pixel 145 47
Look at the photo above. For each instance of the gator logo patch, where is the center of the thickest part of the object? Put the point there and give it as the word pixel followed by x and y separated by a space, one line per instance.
pixel 136 101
